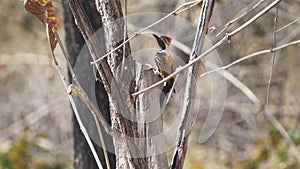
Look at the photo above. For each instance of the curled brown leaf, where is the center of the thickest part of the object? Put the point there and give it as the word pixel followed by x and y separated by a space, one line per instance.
pixel 45 12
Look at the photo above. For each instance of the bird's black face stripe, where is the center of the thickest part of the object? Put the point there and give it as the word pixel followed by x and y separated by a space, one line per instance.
pixel 160 42
pixel 165 39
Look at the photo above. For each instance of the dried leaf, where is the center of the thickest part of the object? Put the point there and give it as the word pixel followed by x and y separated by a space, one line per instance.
pixel 45 12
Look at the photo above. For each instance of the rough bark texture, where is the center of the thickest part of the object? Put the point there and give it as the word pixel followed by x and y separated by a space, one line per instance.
pixel 151 118
pixel 83 157
pixel 113 22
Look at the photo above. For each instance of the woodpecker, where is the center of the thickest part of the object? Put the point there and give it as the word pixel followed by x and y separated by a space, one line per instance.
pixel 164 62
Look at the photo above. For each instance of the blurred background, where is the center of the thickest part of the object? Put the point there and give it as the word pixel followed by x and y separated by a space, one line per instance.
pixel 35 116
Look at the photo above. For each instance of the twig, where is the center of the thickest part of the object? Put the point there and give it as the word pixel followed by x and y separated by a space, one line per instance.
pixel 284 27
pixel 102 142
pixel 220 42
pixel 269 116
pixel 237 83
pixel 170 93
pixel 273 60
pixel 124 36
pixel 75 90
pixel 83 129
pixel 187 7
pixel 291 35
pixel 172 89
pixel 192 3
pixel 250 9
pixel 142 5
pixel 251 56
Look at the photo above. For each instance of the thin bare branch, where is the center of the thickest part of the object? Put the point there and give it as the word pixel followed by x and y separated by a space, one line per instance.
pixel 102 142
pixel 142 5
pixel 172 90
pixel 124 37
pixel 185 5
pixel 236 82
pixel 291 23
pixel 76 91
pixel 250 8
pixel 169 95
pixel 189 99
pixel 83 129
pixel 272 60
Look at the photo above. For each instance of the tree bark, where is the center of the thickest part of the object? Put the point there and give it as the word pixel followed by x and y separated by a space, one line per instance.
pixel 121 104
pixel 151 126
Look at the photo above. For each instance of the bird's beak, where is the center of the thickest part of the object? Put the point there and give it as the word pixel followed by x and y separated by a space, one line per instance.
pixel 160 42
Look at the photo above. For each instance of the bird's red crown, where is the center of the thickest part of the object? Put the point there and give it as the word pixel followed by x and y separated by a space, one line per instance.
pixel 167 39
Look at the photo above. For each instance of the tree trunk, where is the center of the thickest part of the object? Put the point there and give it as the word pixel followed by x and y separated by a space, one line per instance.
pixel 130 151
